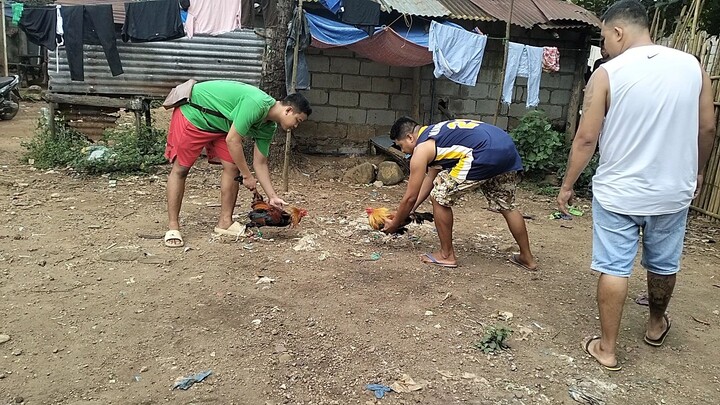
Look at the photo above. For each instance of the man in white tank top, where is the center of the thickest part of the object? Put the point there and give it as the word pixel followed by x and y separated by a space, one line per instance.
pixel 650 109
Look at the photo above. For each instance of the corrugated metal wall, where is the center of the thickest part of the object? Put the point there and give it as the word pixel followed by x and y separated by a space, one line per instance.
pixel 153 68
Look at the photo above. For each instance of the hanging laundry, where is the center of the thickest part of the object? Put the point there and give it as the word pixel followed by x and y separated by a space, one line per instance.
pixel 59 31
pixel 360 12
pixel 247 13
pixel 184 5
pixel 40 26
pixel 268 8
pixel 457 53
pixel 303 74
pixel 150 21
pixel 91 25
pixel 332 5
pixel 523 61
pixel 551 59
pixel 17 10
pixel 213 17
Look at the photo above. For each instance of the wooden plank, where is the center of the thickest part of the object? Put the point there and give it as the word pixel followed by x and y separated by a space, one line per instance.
pixel 96 101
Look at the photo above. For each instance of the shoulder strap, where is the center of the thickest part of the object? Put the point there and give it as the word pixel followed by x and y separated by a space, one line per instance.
pixel 206 110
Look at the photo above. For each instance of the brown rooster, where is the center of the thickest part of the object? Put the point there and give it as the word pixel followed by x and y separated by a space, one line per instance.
pixel 378 216
pixel 264 214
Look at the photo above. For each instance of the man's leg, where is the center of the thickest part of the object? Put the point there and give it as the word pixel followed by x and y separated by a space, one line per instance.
pixel 611 294
pixel 663 238
pixel 228 193
pixel 444 225
pixel 516 224
pixel 660 289
pixel 175 191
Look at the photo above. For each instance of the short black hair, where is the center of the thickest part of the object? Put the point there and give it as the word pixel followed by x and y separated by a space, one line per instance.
pixel 298 102
pixel 630 11
pixel 402 127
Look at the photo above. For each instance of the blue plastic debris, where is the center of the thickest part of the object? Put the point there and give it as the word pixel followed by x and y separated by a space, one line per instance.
pixel 187 382
pixel 378 389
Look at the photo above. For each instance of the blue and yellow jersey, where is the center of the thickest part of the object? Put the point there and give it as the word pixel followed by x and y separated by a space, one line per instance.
pixel 471 150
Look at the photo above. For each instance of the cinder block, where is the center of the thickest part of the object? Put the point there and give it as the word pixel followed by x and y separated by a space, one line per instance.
pixel 316 96
pixel 357 83
pixel 325 114
pixel 485 106
pixel 380 117
pixel 351 116
pixel 360 133
pixel 444 87
pixel 544 95
pixel 326 81
pixel 401 71
pixel 480 90
pixel 406 86
pixel 344 65
pixel 318 63
pixel 374 100
pixel 374 69
pixel 560 97
pixel 326 130
pixel 344 98
pixel 462 107
pixel 385 85
pixel 401 102
pixel 382 129
pixel 554 112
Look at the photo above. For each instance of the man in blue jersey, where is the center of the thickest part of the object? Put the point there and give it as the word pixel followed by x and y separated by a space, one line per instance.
pixel 452 158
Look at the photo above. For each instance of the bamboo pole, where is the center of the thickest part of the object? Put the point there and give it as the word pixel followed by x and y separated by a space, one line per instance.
pixel 504 63
pixel 288 133
pixel 6 72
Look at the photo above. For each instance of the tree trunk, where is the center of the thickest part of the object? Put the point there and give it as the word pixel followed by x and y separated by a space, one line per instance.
pixel 273 74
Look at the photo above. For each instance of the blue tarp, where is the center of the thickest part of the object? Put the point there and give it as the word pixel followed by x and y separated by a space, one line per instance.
pixel 337 33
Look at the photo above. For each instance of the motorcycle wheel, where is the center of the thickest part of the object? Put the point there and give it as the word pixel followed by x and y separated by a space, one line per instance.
pixel 10 115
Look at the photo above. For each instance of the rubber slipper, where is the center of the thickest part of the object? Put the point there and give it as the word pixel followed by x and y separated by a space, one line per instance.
pixel 433 260
pixel 659 341
pixel 586 347
pixel 515 259
pixel 233 230
pixel 172 235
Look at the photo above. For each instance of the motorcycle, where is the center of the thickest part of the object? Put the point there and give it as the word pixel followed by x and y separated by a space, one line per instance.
pixel 9 97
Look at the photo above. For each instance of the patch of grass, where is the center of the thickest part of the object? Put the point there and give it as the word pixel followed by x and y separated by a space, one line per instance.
pixel 494 339
pixel 120 150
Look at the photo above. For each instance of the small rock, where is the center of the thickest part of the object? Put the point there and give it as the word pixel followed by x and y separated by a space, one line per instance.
pixel 284 358
pixel 390 173
pixel 42 263
pixel 360 174
pixel 55 195
pixel 378 183
pixel 518 394
pixel 429 313
pixel 19 400
pixel 4 338
pixel 144 369
pixel 34 89
pixel 2 376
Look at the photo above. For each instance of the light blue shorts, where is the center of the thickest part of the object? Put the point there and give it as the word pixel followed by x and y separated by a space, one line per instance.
pixel 616 238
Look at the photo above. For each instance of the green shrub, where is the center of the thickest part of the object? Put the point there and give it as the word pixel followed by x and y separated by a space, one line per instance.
pixel 494 339
pixel 46 151
pixel 120 150
pixel 539 145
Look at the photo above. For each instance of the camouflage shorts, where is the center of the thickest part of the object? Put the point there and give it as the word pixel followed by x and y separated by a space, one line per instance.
pixel 499 190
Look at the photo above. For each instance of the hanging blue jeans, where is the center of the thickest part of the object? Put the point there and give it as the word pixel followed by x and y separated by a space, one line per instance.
pixel 523 61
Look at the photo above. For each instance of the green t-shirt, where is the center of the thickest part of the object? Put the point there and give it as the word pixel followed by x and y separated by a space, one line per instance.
pixel 243 105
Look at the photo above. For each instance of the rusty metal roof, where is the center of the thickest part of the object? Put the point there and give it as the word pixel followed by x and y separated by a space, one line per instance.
pixel 426 8
pixel 466 10
pixel 529 13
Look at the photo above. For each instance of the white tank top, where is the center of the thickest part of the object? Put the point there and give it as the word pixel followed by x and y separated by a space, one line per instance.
pixel 649 142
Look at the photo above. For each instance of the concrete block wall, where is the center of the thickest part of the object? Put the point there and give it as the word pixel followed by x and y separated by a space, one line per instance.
pixel 355 99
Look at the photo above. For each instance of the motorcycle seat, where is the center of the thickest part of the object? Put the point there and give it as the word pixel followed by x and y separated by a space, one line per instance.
pixel 4 81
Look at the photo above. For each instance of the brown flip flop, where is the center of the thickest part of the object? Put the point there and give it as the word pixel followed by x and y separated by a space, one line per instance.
pixel 586 347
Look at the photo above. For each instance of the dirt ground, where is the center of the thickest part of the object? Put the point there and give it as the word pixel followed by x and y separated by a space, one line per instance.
pixel 98 315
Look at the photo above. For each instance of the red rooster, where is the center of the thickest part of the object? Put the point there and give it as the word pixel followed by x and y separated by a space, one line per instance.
pixel 378 216
pixel 264 214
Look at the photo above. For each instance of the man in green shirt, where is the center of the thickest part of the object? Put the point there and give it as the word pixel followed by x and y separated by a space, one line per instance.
pixel 221 116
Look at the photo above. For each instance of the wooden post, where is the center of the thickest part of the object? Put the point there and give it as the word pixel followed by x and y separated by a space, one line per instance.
pixel 288 134
pixel 576 96
pixel 4 40
pixel 504 63
pixel 416 94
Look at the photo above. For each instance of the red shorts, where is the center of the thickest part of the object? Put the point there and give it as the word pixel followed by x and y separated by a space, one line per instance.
pixel 185 142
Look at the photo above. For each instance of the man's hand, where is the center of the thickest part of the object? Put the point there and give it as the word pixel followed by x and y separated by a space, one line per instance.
pixel 390 227
pixel 698 186
pixel 277 202
pixel 564 199
pixel 250 182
